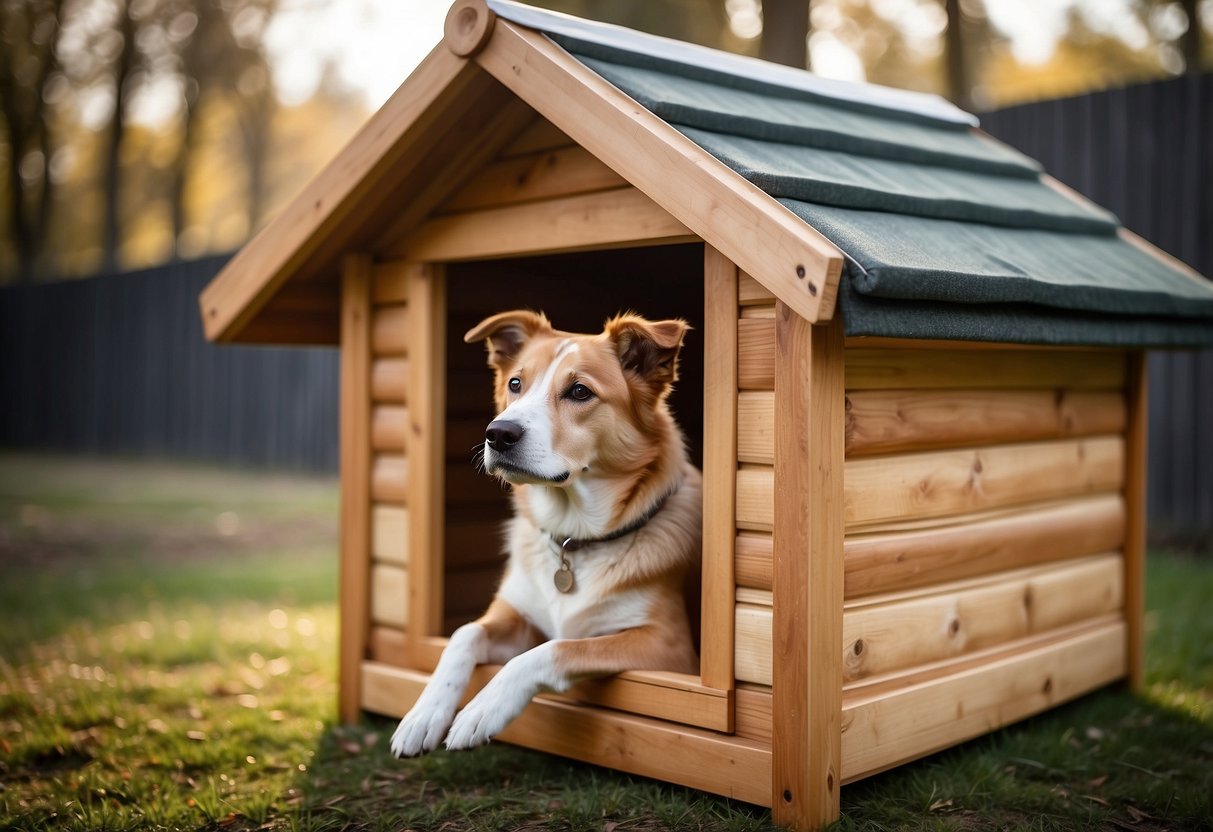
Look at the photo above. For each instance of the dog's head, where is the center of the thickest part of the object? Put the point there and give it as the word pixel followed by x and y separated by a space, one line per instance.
pixel 571 405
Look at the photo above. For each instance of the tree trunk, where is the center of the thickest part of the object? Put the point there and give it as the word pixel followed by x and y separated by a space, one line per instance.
pixel 112 177
pixel 785 32
pixel 958 76
pixel 1190 42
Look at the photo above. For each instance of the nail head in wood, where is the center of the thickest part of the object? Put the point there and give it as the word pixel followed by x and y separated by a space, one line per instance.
pixel 468 27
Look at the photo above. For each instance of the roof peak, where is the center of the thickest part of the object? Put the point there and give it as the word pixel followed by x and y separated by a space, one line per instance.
pixel 753 70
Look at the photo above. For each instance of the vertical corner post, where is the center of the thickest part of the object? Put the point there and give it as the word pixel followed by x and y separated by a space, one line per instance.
pixel 808 571
pixel 355 467
pixel 719 469
pixel 1136 433
pixel 426 441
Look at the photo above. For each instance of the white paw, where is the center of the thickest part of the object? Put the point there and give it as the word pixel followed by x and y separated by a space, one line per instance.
pixel 422 728
pixel 476 724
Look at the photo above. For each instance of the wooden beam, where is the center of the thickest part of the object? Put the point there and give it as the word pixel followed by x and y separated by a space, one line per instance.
pixel 355 448
pixel 705 760
pixel 808 533
pixel 389 380
pixel 621 217
pixel 1136 439
pixel 427 412
pixel 749 227
pixel 719 467
pixel 407 122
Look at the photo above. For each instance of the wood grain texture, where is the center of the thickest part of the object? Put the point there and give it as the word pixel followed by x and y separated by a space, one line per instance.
pixel 538 136
pixel 897 492
pixel 355 462
pixel 886 729
pixel 1136 440
pixel 752 293
pixel 697 758
pixel 756 353
pixel 749 227
pixel 389 282
pixel 883 635
pixel 390 533
pixel 719 468
pixel 543 175
pixel 808 566
pixel 940 483
pixel 426 486
pixel 620 217
pixel 390 380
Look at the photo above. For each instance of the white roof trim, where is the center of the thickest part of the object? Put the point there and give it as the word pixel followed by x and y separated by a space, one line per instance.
pixel 629 40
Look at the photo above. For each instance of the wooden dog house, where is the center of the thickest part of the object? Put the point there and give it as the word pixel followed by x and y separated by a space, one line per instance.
pixel 916 392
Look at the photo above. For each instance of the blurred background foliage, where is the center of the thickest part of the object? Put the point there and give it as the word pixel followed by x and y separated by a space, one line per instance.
pixel 135 132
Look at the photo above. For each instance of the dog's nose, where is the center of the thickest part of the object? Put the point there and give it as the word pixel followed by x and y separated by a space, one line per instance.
pixel 503 434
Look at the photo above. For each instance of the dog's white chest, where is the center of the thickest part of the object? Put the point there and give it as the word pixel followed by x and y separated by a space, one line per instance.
pixel 593 607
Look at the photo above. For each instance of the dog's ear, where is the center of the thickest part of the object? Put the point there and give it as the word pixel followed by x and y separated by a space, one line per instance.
pixel 506 333
pixel 648 349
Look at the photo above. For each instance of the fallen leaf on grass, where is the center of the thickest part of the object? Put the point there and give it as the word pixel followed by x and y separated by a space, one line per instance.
pixel 195 735
pixel 1095 799
pixel 231 818
pixel 940 804
pixel 350 747
pixel 1137 814
pixel 1094 733
pixel 1098 781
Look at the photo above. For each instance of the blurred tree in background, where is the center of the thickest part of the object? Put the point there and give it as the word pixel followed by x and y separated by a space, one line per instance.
pixel 137 131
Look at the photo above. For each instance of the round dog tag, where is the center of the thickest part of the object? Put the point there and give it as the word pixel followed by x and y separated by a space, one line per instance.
pixel 563 578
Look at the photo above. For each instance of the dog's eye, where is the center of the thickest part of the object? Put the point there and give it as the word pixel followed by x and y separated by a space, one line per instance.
pixel 515 385
pixel 580 392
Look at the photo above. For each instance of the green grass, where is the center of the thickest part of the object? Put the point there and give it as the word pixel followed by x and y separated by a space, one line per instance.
pixel 167 661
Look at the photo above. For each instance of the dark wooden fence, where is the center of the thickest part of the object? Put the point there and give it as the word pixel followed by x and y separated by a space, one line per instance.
pixel 118 365
pixel 1146 153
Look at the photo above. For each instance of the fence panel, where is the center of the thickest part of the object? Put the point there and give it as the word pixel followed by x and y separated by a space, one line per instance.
pixel 118 364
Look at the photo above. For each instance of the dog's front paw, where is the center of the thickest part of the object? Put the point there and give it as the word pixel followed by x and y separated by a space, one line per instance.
pixel 476 724
pixel 422 729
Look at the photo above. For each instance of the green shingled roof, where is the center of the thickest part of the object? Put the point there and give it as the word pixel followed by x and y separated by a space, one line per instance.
pixel 947 233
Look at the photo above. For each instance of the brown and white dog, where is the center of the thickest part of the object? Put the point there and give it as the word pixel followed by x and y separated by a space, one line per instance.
pixel 607 524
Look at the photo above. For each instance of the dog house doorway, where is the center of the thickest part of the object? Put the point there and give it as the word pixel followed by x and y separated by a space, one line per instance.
pixel 577 292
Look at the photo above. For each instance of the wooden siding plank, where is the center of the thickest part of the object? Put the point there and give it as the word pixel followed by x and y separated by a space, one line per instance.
pixel 621 217
pixel 390 380
pixel 967 546
pixel 884 730
pixel 426 487
pixel 354 575
pixel 543 175
pixel 719 468
pixel 700 759
pixel 390 478
pixel 888 421
pixel 389 428
pixel 390 330
pixel 756 353
pixel 940 483
pixel 389 282
pixel 883 492
pixel 390 533
pixel 389 595
pixel 884 636
pixel 749 227
pixel 808 564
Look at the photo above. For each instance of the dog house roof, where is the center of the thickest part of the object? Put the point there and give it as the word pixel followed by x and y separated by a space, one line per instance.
pixel 944 232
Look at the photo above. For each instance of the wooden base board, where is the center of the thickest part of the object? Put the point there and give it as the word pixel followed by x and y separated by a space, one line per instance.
pixel 705 760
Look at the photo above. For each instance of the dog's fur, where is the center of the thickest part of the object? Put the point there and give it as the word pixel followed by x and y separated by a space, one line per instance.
pixel 583 468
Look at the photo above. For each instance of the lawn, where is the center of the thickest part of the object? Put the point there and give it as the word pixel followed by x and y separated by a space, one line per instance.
pixel 167 661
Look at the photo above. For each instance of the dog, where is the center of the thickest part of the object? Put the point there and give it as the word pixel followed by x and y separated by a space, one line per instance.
pixel 606 530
